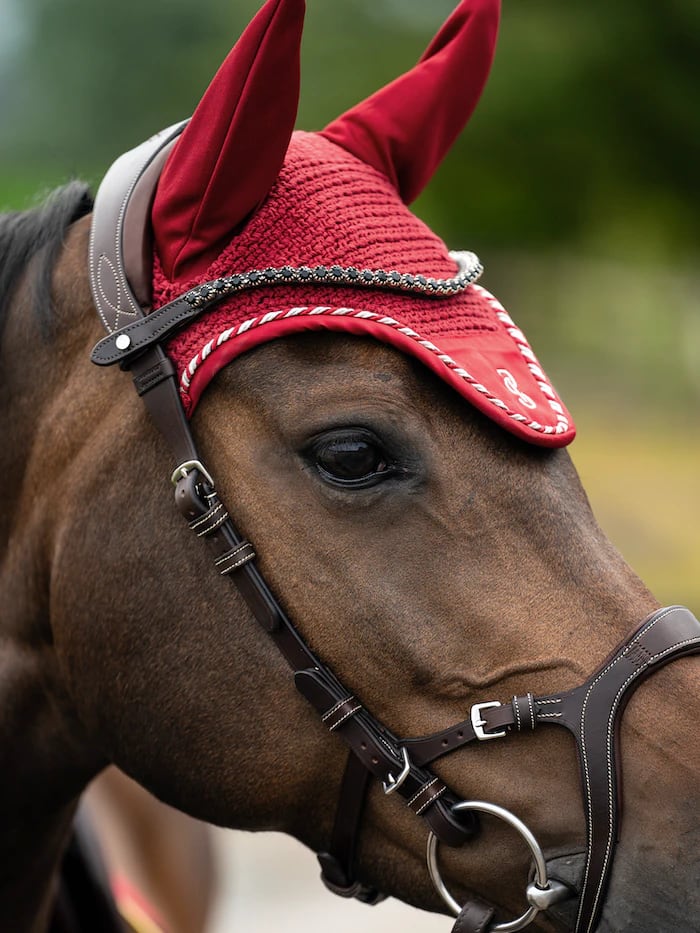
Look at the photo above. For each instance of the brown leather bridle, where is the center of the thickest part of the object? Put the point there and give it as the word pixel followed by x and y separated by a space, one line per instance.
pixel 120 268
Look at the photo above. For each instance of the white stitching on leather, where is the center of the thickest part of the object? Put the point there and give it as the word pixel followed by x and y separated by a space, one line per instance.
pixel 351 712
pixel 220 520
pixel 203 519
pixel 423 788
pixel 431 799
pixel 232 553
pixel 532 711
pixel 335 708
pixel 244 559
pixel 584 753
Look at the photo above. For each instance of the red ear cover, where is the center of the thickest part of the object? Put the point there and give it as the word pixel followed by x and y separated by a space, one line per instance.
pixel 407 128
pixel 231 152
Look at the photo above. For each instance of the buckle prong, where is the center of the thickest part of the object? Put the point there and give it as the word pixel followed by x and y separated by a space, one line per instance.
pixel 184 468
pixel 391 784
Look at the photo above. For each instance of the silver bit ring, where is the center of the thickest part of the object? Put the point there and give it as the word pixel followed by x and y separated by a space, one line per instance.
pixel 541 893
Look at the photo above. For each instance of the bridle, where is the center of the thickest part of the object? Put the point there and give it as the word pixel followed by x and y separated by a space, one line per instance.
pixel 120 265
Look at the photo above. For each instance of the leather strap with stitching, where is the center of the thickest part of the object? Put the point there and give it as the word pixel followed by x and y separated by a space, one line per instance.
pixel 593 712
pixel 120 237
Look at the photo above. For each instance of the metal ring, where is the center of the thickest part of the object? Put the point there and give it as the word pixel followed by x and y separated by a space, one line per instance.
pixel 541 880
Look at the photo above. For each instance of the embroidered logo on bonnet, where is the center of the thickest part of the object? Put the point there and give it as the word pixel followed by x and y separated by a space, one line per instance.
pixel 278 232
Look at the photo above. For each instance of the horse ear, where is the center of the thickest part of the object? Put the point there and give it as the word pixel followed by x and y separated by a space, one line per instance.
pixel 406 129
pixel 232 150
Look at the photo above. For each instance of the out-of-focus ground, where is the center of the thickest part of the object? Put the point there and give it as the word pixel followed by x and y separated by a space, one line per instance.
pixel 269 881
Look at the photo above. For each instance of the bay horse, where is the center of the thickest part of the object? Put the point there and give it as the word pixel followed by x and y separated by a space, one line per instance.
pixel 417 545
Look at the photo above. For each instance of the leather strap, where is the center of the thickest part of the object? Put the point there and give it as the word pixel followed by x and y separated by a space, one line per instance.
pixel 593 712
pixel 338 864
pixel 120 238
pixel 124 344
pixel 378 750
pixel 475 917
pixel 522 714
pixel 142 333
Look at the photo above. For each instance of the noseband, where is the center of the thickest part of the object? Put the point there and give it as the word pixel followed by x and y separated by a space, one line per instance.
pixel 591 712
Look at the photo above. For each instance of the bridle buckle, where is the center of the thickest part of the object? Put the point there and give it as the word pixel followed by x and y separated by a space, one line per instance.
pixel 183 469
pixel 478 723
pixel 392 783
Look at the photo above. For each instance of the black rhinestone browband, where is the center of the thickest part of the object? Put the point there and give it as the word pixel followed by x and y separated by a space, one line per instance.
pixel 470 269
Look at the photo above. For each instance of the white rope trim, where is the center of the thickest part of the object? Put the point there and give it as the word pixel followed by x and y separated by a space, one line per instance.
pixel 515 334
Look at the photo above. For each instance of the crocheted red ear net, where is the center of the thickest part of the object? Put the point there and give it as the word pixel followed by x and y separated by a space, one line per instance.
pixel 329 208
pixel 331 200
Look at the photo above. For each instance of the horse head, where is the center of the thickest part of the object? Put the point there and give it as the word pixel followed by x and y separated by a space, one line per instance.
pixel 410 535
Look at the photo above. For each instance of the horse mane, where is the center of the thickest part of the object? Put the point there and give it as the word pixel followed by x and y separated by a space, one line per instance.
pixel 39 230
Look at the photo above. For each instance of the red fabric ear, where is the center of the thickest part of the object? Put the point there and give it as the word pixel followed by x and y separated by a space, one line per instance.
pixel 231 152
pixel 406 129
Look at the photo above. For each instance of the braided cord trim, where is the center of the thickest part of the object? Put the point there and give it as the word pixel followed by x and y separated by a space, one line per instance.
pixel 515 333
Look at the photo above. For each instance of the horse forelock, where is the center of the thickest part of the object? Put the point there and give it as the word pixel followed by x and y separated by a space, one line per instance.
pixel 38 232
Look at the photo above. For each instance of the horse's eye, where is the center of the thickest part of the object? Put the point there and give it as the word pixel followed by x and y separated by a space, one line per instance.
pixel 351 459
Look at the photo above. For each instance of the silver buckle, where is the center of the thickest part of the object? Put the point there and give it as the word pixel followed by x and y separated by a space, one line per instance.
pixel 391 784
pixel 184 468
pixel 478 723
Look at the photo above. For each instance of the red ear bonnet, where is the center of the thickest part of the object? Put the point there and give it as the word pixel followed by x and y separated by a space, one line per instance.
pixel 288 232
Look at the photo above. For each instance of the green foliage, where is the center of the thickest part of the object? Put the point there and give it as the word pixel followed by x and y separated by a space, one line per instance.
pixel 587 140
pixel 588 132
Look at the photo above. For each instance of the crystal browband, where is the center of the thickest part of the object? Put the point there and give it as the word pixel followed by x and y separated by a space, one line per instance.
pixel 470 269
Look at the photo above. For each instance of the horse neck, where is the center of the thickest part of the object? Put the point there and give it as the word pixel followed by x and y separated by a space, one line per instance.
pixel 45 763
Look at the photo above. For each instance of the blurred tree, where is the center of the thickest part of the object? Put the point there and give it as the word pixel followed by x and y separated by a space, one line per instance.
pixel 588 132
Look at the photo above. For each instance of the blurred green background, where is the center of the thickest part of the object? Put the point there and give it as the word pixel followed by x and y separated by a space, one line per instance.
pixel 577 183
